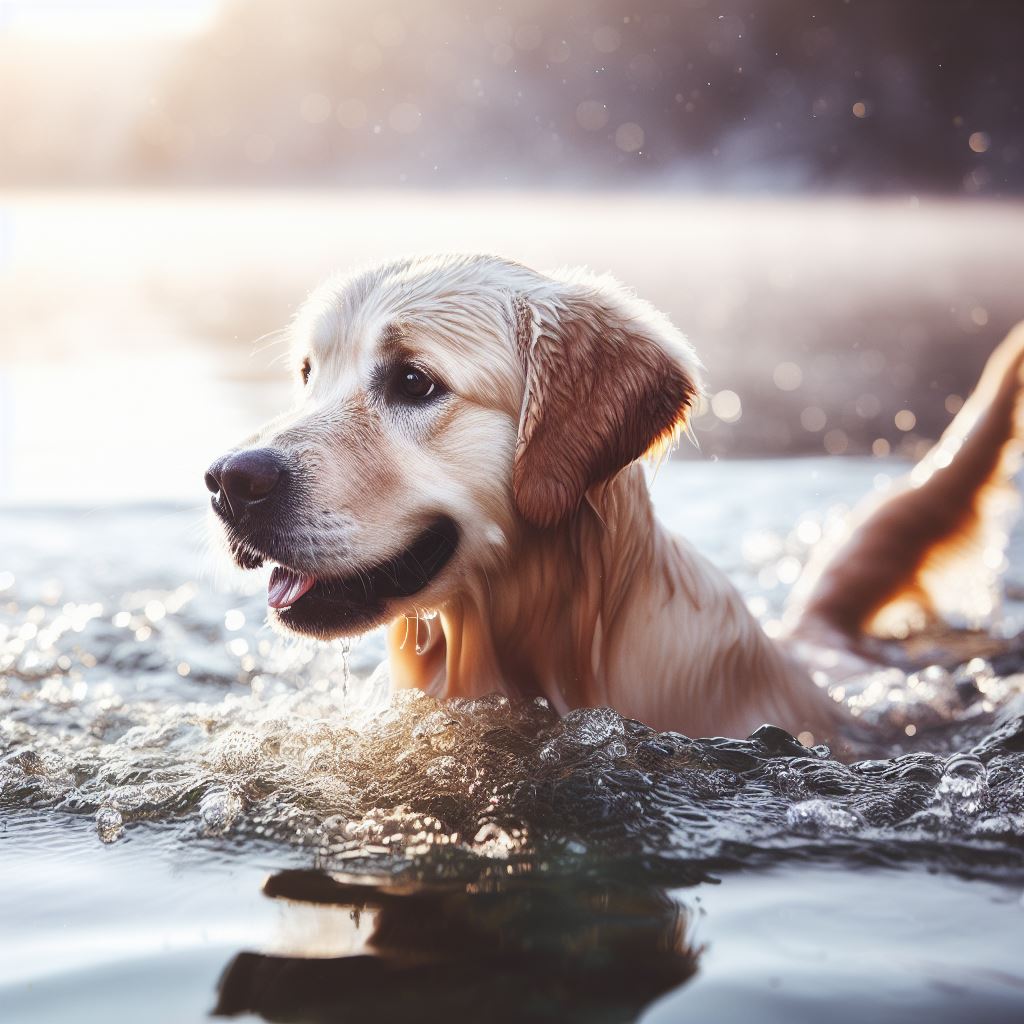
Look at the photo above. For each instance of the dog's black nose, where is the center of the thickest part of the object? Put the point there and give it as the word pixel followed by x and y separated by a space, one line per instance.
pixel 244 478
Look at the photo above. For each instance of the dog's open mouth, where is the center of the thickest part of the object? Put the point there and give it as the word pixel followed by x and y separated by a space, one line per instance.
pixel 335 606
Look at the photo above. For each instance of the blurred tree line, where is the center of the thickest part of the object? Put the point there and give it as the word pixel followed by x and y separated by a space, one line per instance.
pixel 848 95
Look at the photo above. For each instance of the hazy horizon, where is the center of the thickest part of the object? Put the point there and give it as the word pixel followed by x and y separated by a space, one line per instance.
pixel 804 96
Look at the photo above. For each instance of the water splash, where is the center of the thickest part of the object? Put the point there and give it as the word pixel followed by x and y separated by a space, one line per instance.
pixel 173 706
pixel 487 780
pixel 109 824
pixel 822 817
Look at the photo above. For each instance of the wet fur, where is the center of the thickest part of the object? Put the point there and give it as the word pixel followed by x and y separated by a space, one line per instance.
pixel 564 585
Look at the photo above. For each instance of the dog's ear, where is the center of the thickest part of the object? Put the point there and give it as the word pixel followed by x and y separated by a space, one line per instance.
pixel 607 378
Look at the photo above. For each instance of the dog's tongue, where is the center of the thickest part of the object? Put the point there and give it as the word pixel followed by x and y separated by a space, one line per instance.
pixel 287 586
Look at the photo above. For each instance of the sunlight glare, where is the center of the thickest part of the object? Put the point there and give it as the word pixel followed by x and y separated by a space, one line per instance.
pixel 75 19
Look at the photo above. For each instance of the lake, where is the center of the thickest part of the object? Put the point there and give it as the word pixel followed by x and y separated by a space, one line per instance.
pixel 198 817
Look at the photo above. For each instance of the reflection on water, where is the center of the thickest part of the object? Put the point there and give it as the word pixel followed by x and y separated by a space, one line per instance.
pixel 570 949
pixel 160 929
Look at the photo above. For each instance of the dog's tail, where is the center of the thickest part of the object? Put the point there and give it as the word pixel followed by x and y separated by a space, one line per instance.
pixel 932 548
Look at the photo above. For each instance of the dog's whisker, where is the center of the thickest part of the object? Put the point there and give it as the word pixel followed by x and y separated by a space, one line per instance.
pixel 584 591
pixel 271 339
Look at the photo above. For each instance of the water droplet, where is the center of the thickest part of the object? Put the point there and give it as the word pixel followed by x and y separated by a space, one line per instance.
pixel 821 817
pixel 218 809
pixel 963 788
pixel 109 824
pixel 593 726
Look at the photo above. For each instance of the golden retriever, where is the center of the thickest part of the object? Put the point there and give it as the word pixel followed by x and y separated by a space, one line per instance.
pixel 461 464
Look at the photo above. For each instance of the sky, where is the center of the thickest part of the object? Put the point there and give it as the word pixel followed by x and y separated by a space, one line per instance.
pixel 107 18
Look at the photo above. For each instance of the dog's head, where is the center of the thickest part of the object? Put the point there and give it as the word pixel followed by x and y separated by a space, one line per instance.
pixel 445 405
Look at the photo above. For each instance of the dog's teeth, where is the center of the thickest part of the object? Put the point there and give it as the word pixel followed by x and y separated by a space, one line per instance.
pixel 287 586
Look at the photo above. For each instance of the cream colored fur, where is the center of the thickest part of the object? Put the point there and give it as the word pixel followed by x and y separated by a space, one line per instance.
pixel 609 608
pixel 564 584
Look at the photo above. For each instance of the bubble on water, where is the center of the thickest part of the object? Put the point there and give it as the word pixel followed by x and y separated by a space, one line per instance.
pixel 218 809
pixel 963 788
pixel 821 817
pixel 439 729
pixel 236 751
pixel 318 758
pixel 276 750
pixel 593 726
pixel 109 824
pixel 125 798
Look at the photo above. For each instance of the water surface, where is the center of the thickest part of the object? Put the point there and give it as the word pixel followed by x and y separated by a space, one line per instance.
pixel 197 816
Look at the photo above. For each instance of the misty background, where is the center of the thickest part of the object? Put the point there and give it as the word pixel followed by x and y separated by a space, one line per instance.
pixel 859 96
pixel 825 196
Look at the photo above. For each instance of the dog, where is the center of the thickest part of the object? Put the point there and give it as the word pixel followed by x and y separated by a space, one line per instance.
pixel 463 465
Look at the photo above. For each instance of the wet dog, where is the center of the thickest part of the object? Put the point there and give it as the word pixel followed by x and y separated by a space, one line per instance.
pixel 462 465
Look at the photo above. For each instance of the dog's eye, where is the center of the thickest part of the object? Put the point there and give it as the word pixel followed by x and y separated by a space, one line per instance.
pixel 413 385
pixel 305 369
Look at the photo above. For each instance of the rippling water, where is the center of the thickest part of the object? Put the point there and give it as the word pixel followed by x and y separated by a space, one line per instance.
pixel 160 749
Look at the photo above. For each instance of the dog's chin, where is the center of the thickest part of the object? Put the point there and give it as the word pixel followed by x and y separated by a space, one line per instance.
pixel 333 607
pixel 324 618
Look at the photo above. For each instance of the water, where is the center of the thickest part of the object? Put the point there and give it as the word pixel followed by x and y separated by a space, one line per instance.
pixel 162 754
pixel 198 816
